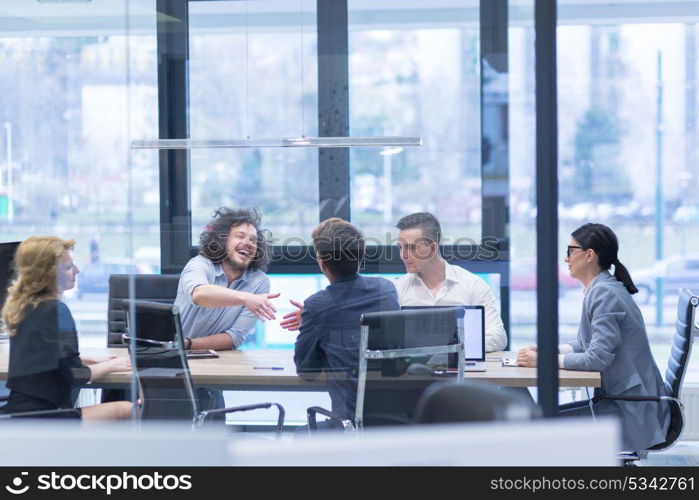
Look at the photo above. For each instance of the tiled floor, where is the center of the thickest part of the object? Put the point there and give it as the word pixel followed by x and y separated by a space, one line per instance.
pixel 684 453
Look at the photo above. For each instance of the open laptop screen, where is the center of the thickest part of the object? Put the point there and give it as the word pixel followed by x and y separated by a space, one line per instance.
pixel 474 330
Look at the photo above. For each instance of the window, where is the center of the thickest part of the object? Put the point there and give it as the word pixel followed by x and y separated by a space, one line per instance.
pixel 398 86
pixel 627 149
pixel 71 98
pixel 253 73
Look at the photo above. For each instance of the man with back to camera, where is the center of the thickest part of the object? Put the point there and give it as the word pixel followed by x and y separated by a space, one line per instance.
pixel 431 281
pixel 223 291
pixel 328 339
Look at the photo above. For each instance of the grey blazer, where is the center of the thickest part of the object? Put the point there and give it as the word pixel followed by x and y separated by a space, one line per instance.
pixel 612 339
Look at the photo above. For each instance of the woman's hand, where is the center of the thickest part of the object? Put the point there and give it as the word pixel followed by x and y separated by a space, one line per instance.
pixel 117 364
pixel 527 357
pixel 292 320
pixel 91 360
pixel 260 305
pixel 114 364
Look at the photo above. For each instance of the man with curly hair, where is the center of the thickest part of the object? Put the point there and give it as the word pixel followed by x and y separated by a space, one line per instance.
pixel 223 291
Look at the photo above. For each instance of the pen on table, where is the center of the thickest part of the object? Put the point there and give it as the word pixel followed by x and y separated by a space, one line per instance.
pixel 267 367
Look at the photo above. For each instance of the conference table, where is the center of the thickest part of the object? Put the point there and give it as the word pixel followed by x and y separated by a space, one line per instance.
pixel 274 370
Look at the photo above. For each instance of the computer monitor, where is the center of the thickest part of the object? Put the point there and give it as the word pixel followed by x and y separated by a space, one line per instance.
pixel 7 259
pixel 474 329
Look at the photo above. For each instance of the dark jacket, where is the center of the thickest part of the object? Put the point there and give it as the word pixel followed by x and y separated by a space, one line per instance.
pixel 45 363
pixel 329 335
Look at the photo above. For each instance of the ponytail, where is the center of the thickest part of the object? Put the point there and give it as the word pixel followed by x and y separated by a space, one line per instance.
pixel 604 242
pixel 622 274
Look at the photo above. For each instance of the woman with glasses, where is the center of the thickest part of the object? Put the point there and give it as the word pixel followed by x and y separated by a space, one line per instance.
pixel 45 363
pixel 612 340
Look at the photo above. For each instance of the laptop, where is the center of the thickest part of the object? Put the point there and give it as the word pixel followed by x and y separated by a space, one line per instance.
pixel 474 335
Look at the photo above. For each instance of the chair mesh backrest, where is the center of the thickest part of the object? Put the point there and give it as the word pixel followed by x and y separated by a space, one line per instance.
pixel 163 372
pixel 682 342
pixel 152 287
pixel 392 389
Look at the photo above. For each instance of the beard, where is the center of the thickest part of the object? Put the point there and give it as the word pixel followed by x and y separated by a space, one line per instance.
pixel 237 266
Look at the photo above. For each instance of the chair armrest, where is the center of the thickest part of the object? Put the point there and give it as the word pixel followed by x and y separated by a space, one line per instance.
pixel 311 417
pixel 41 413
pixel 652 399
pixel 126 340
pixel 202 416
pixel 4 398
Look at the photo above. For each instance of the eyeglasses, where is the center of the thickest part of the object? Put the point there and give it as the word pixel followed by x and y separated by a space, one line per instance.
pixel 569 250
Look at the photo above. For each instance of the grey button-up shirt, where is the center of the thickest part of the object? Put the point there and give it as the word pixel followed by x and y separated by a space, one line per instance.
pixel 197 321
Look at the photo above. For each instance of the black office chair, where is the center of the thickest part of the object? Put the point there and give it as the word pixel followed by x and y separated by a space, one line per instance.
pixel 151 287
pixel 685 331
pixel 401 353
pixel 473 401
pixel 59 413
pixel 160 363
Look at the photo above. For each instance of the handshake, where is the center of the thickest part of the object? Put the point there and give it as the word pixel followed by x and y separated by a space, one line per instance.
pixel 261 306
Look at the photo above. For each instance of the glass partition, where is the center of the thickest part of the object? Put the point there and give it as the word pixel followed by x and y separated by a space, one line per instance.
pixel 253 73
pixel 399 86
pixel 522 194
pixel 80 82
pixel 627 153
pixel 75 92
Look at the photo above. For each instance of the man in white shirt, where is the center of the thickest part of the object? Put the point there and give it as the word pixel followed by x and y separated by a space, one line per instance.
pixel 431 281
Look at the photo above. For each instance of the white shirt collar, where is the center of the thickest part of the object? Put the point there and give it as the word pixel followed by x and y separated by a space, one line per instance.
pixel 450 273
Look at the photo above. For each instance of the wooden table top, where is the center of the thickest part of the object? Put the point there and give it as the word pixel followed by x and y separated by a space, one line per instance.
pixel 237 370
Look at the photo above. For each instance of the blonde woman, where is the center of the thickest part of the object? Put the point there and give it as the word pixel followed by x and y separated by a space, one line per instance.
pixel 45 364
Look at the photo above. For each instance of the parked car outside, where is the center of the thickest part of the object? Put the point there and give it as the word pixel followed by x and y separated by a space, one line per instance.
pixel 94 277
pixel 523 276
pixel 677 272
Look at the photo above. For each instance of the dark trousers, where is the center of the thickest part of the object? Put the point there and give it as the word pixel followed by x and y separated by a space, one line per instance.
pixel 210 399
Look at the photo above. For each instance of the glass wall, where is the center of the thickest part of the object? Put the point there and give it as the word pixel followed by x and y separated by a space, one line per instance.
pixel 253 73
pixel 82 89
pixel 415 71
pixel 627 153
pixel 522 157
pixel 80 81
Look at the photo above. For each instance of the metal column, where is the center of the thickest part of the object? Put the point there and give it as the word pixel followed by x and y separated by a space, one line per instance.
pixel 175 212
pixel 547 206
pixel 333 108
